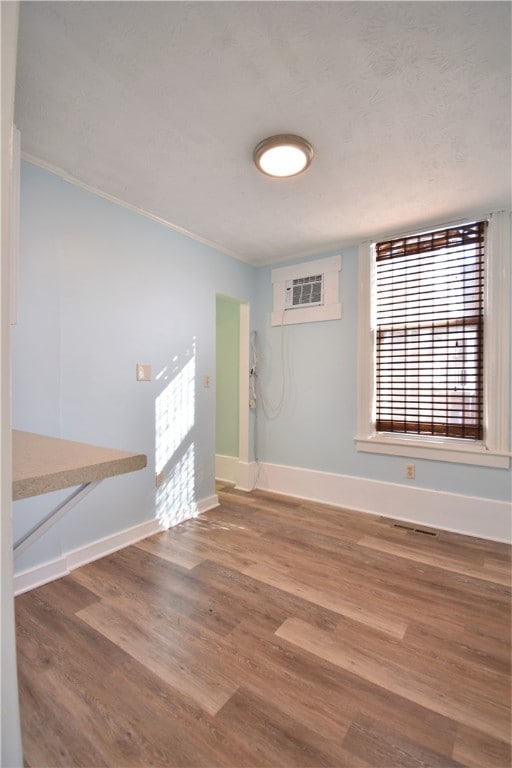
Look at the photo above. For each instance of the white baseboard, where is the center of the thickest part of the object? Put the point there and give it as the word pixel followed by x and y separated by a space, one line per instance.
pixel 231 470
pixel 55 569
pixel 470 515
pixel 83 555
pixel 225 468
pixel 246 473
pixel 210 502
pixel 41 574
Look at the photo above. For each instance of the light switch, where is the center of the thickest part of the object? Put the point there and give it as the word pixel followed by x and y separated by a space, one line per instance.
pixel 143 372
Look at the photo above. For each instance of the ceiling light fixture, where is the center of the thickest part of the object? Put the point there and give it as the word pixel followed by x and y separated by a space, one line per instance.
pixel 283 156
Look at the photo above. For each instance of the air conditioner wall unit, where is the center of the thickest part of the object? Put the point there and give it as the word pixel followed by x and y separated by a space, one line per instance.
pixel 309 289
pixel 304 292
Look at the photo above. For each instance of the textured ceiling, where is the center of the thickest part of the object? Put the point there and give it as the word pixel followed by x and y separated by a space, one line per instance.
pixel 160 104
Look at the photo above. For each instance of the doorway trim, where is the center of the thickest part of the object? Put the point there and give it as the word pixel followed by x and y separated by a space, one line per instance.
pixel 245 469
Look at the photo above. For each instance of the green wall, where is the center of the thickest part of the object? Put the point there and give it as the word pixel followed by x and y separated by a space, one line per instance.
pixel 228 367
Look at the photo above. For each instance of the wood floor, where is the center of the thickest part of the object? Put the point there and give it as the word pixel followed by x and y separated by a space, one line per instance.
pixel 272 632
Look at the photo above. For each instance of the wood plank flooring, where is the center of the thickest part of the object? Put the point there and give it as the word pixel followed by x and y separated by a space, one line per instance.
pixel 273 632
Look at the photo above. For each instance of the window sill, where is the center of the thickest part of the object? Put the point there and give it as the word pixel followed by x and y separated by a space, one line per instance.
pixel 459 453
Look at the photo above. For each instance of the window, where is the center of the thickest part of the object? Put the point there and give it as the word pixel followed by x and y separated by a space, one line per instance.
pixel 429 333
pixel 434 344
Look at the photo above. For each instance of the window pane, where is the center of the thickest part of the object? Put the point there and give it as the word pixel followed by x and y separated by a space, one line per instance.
pixel 430 334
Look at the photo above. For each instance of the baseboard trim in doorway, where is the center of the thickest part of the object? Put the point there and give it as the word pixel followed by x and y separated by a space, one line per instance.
pixel 246 474
pixel 225 468
pixel 229 469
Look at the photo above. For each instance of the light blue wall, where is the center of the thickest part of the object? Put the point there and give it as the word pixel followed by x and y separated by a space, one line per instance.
pixel 317 424
pixel 101 289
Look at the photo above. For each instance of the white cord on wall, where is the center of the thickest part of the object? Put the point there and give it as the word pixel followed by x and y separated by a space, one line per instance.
pixel 256 389
pixel 256 394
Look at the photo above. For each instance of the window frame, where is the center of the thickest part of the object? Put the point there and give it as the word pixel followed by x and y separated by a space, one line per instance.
pixel 493 450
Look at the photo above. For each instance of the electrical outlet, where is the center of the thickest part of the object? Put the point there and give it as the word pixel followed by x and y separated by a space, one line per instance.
pixel 410 471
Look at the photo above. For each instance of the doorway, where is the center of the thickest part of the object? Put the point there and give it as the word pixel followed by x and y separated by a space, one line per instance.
pixel 232 391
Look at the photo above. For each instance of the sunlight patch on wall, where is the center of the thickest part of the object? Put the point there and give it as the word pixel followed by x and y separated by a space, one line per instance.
pixel 174 446
pixel 175 499
pixel 174 413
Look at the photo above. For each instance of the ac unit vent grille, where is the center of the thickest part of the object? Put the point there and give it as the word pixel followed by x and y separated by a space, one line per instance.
pixel 305 291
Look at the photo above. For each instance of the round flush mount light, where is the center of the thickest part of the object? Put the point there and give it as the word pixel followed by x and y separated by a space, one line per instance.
pixel 283 156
